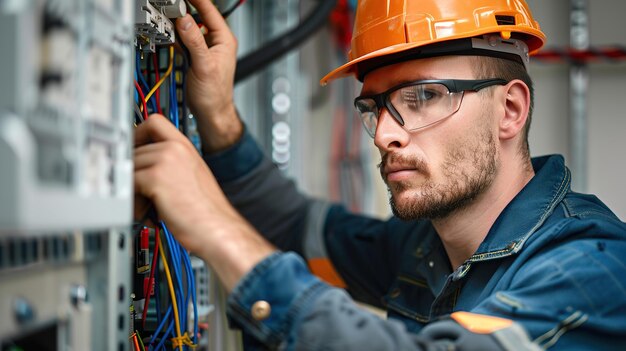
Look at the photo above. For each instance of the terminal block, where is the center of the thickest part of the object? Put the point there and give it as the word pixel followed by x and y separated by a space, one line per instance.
pixel 153 25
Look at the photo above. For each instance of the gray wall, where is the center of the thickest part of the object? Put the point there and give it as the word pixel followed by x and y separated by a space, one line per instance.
pixel 549 133
pixel 607 94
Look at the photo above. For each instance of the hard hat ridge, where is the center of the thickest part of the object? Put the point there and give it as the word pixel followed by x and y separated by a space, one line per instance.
pixel 388 30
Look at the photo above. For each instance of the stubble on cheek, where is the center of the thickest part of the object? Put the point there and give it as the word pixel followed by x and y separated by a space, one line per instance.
pixel 467 171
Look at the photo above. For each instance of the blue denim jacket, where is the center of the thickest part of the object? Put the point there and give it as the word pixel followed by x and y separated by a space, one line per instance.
pixel 554 261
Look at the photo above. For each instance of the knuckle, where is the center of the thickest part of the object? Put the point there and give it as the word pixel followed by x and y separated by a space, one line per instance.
pixel 175 152
pixel 197 40
pixel 235 42
pixel 178 148
pixel 212 66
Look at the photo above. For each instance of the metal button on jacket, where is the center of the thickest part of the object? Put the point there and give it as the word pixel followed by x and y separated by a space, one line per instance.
pixel 261 310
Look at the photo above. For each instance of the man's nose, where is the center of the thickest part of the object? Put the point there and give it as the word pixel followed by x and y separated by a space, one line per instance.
pixel 389 133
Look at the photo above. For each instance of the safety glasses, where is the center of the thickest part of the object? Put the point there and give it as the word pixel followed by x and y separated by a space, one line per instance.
pixel 418 104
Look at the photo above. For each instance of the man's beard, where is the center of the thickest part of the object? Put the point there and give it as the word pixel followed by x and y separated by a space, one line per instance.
pixel 468 171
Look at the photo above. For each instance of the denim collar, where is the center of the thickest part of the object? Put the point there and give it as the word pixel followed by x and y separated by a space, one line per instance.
pixel 528 209
pixel 520 218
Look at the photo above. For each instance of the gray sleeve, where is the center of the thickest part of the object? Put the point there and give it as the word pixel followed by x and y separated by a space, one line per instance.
pixel 273 205
pixel 336 323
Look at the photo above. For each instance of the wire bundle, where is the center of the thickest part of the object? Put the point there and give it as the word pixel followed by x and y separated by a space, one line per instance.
pixel 168 254
pixel 152 99
pixel 173 325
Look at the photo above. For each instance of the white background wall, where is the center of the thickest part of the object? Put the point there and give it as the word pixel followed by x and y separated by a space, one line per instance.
pixel 606 102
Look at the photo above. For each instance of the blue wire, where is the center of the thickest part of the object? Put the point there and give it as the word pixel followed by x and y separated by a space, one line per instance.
pixel 175 254
pixel 179 255
pixel 169 331
pixel 192 283
pixel 171 110
pixel 135 90
pixel 172 113
pixel 143 82
pixel 174 101
pixel 162 324
pixel 175 258
pixel 190 286
pixel 174 97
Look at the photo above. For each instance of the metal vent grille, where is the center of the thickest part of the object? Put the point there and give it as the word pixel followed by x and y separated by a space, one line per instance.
pixel 505 20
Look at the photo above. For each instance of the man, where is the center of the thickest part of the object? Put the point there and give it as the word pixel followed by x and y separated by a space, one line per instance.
pixel 478 226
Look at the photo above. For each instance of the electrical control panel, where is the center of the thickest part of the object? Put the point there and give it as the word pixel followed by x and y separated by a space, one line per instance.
pixel 65 117
pixel 75 272
pixel 66 174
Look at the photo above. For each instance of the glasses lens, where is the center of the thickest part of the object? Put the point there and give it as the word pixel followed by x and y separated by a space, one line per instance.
pixel 368 112
pixel 424 104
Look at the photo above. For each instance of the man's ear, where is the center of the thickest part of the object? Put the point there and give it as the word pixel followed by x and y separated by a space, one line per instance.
pixel 516 107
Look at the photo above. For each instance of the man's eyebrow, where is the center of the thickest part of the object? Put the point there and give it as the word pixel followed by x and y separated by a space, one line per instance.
pixel 366 92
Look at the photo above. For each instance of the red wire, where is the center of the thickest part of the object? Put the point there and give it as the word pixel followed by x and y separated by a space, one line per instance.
pixel 143 100
pixel 146 291
pixel 155 63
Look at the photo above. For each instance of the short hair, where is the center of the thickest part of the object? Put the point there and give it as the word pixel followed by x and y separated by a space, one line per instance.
pixel 494 67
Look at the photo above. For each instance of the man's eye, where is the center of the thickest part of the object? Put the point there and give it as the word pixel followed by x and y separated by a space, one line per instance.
pixel 427 94
pixel 415 98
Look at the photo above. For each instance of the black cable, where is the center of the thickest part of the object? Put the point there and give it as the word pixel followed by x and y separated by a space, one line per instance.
pixel 232 9
pixel 225 14
pixel 183 67
pixel 274 49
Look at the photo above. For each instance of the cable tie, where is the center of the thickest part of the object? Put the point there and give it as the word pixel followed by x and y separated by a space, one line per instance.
pixel 184 340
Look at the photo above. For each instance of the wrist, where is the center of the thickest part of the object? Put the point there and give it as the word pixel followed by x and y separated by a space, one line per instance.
pixel 234 249
pixel 220 131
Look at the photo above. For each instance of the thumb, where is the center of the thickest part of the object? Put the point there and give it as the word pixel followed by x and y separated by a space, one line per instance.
pixel 193 39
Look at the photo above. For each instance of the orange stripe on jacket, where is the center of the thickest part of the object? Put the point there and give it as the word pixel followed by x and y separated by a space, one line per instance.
pixel 324 269
pixel 480 323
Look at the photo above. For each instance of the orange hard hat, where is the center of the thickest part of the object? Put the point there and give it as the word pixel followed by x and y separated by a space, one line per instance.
pixel 388 31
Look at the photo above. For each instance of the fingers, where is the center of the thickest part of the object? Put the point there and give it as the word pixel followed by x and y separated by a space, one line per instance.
pixel 205 50
pixel 216 25
pixel 157 128
pixel 193 39
pixel 148 155
pixel 157 163
pixel 145 186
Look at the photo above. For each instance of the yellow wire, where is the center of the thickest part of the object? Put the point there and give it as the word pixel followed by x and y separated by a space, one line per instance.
pixel 172 294
pixel 167 73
